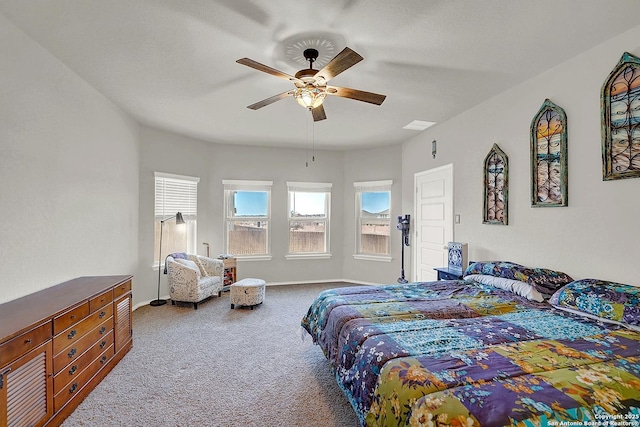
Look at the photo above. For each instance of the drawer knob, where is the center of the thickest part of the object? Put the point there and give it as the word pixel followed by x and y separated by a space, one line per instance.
pixel 102 314
pixel 72 353
pixel 73 369
pixel 73 316
pixel 102 344
pixel 71 334
pixel 27 341
pixel 73 388
pixel 102 330
pixel 104 359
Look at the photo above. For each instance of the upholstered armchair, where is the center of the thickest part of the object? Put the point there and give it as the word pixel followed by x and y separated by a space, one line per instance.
pixel 194 278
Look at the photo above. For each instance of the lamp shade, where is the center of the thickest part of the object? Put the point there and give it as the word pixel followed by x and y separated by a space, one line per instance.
pixel 179 219
pixel 310 96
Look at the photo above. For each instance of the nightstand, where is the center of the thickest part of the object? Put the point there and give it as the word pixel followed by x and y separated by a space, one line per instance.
pixel 446 274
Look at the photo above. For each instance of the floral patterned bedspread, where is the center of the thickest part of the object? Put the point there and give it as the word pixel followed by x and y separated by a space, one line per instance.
pixel 455 353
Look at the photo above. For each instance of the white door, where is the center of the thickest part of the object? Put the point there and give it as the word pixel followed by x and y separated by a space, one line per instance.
pixel 433 221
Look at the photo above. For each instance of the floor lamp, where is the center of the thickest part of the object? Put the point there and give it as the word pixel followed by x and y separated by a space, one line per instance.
pixel 179 220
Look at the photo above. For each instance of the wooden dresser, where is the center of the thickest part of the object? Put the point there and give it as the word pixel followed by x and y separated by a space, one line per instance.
pixel 57 344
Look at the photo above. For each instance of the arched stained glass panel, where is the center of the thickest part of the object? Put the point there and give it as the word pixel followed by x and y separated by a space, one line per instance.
pixel 620 97
pixel 549 156
pixel 496 185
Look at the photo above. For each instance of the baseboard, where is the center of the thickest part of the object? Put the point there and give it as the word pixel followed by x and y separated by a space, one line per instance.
pixel 316 282
pixel 143 303
pixel 295 282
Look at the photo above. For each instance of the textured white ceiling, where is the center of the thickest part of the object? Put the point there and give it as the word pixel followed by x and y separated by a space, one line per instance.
pixel 171 63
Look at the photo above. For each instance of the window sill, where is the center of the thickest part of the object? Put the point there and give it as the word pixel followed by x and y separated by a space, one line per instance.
pixel 307 256
pixel 363 257
pixel 253 257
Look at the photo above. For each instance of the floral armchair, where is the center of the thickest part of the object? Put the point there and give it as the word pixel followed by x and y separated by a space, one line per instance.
pixel 193 278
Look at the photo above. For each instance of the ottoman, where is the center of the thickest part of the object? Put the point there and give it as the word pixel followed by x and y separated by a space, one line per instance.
pixel 247 292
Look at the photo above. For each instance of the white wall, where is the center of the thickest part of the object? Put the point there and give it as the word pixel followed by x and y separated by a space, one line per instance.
pixel 212 163
pixel 69 174
pixel 372 165
pixel 597 234
pixel 77 181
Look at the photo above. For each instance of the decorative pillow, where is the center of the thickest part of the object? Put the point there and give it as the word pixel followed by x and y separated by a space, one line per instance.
pixel 189 263
pixel 517 287
pixel 606 300
pixel 545 281
pixel 203 271
pixel 493 268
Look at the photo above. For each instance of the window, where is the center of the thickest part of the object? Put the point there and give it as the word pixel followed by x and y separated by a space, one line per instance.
pixel 247 217
pixel 373 219
pixel 309 207
pixel 173 194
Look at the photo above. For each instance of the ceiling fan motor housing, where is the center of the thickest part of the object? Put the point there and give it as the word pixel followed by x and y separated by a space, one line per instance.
pixel 307 75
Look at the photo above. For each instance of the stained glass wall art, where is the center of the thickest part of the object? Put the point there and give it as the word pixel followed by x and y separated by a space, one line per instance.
pixel 620 108
pixel 496 187
pixel 549 156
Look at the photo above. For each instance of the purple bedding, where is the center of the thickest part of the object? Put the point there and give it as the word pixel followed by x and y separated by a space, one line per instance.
pixel 460 353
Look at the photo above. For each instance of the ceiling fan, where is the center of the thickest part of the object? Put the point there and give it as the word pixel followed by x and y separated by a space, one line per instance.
pixel 311 85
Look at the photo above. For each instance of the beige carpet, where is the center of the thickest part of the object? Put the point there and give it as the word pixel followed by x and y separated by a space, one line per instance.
pixel 220 367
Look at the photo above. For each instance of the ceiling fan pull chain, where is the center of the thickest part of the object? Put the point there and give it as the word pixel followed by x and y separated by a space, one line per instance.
pixel 313 141
pixel 307 145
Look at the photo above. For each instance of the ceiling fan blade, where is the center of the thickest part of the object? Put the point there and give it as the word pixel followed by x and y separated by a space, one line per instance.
pixel 270 100
pixel 358 95
pixel 318 113
pixel 342 61
pixel 266 69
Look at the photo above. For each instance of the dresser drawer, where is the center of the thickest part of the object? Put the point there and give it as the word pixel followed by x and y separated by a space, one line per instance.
pixel 73 370
pixel 68 318
pixel 24 343
pixel 75 350
pixel 75 332
pixel 122 289
pixel 100 301
pixel 73 387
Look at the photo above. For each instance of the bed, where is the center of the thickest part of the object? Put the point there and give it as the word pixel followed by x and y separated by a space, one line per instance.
pixel 508 345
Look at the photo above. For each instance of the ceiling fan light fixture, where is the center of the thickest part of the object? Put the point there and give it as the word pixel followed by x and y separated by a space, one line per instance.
pixel 310 96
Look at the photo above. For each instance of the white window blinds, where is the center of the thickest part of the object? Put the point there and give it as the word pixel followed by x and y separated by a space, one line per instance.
pixel 373 186
pixel 310 187
pixel 245 185
pixel 176 193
